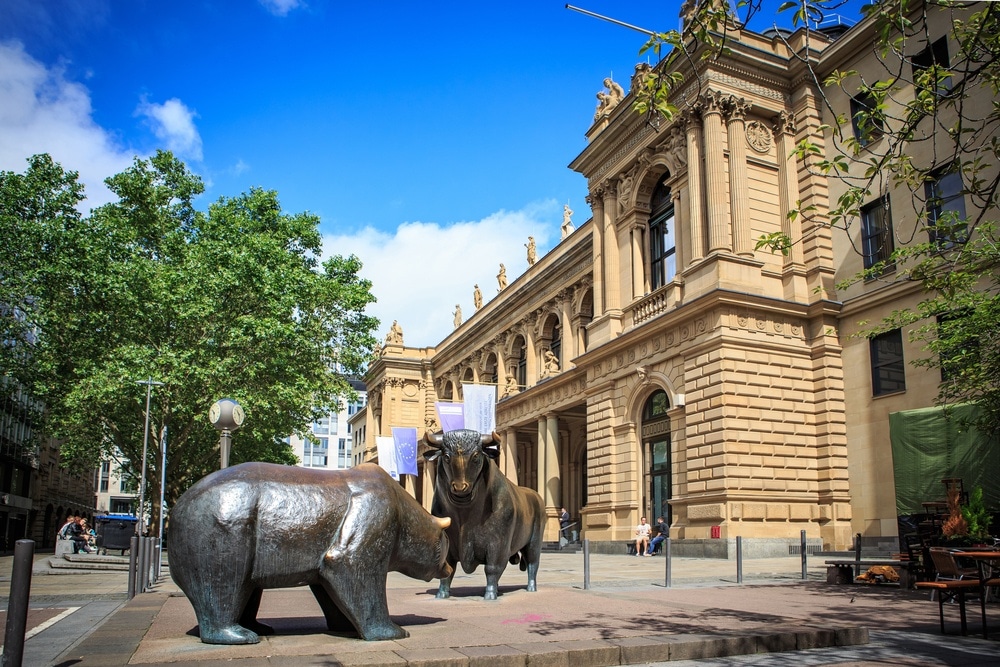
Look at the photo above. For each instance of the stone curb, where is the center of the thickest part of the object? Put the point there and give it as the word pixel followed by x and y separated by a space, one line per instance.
pixel 114 643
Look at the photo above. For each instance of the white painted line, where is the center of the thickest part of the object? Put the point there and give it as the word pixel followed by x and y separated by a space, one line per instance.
pixel 49 623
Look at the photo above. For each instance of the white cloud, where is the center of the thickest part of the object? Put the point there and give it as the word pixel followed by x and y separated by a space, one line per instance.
pixel 423 269
pixel 173 123
pixel 42 112
pixel 280 7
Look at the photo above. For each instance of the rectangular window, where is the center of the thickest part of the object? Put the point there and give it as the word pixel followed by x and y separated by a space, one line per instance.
pixel 105 476
pixel 888 371
pixel 876 235
pixel 866 119
pixel 934 55
pixel 946 208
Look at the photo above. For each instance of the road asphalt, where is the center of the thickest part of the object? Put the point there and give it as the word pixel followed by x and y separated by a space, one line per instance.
pixel 627 615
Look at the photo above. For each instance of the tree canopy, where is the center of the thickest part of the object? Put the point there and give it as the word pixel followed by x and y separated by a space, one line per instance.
pixel 233 302
pixel 934 91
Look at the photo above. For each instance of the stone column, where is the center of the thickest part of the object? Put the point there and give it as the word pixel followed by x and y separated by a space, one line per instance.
pixel 638 266
pixel 553 488
pixel 612 277
pixel 682 242
pixel 719 233
pixel 596 201
pixel 739 197
pixel 410 484
pixel 430 477
pixel 508 458
pixel 694 220
pixel 541 450
pixel 568 348
pixel 788 185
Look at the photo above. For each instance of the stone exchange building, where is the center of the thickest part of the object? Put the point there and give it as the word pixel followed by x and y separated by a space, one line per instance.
pixel 654 362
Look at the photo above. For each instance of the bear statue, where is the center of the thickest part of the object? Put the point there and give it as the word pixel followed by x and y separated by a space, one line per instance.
pixel 261 525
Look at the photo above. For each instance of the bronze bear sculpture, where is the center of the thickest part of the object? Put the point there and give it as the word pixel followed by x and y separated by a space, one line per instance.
pixel 261 525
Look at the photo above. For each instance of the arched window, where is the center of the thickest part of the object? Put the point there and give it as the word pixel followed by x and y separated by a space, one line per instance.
pixel 662 237
pixel 522 363
pixel 556 344
pixel 656 441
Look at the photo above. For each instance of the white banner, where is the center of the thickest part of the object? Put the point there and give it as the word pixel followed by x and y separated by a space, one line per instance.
pixel 386 447
pixel 451 416
pixel 480 407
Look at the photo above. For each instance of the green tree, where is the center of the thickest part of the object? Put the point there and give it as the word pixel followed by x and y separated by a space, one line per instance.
pixel 229 302
pixel 938 94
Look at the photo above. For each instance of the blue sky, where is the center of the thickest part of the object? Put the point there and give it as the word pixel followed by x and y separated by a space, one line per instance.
pixel 430 138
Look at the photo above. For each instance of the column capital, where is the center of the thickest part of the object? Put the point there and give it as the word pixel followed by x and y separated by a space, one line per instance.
pixel 736 108
pixel 784 123
pixel 713 102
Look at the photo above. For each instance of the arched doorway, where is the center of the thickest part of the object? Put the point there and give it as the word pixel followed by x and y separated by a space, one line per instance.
pixel 656 446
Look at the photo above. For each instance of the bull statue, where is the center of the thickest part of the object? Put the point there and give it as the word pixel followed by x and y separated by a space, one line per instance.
pixel 261 525
pixel 493 521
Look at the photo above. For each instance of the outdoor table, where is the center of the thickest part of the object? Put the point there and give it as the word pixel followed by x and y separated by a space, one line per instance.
pixel 982 558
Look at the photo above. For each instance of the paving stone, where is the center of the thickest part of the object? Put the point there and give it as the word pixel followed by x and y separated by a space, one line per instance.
pixel 494 656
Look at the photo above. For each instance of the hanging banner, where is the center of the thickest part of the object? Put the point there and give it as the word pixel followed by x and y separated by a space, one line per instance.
pixel 480 407
pixel 450 415
pixel 387 455
pixel 406 450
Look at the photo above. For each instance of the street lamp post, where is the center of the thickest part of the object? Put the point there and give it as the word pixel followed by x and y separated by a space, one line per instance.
pixel 226 415
pixel 149 382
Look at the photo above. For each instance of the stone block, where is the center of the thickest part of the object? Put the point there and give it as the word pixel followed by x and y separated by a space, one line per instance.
pixel 777 643
pixel 808 639
pixel 852 636
pixel 592 653
pixel 543 655
pixel 754 511
pixel 699 647
pixel 637 650
pixel 433 657
pixel 494 656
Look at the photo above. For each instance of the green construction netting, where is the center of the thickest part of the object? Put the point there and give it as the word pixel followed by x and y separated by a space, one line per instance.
pixel 928 446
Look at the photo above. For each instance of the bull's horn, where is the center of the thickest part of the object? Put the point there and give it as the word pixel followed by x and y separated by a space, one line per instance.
pixel 442 522
pixel 434 439
pixel 490 438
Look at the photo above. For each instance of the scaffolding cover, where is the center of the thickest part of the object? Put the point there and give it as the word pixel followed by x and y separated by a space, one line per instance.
pixel 929 445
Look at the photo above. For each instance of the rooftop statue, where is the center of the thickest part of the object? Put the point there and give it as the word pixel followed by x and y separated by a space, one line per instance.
pixel 532 254
pixel 567 223
pixel 477 297
pixel 502 278
pixel 607 101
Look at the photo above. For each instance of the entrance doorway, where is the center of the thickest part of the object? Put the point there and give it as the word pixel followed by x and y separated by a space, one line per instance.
pixel 656 443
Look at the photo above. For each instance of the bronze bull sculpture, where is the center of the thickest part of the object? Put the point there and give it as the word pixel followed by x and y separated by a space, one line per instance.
pixel 493 521
pixel 261 525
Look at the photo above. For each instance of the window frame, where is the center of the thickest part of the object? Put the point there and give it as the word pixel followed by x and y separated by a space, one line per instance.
pixel 662 238
pixel 877 244
pixel 937 203
pixel 864 102
pixel 884 363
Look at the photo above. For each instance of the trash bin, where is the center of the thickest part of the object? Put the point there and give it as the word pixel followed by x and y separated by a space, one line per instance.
pixel 114 531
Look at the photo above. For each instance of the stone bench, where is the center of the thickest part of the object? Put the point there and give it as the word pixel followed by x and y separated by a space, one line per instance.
pixel 844 571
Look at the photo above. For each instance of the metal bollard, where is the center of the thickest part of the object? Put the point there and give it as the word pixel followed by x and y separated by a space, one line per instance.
pixel 666 557
pixel 133 565
pixel 802 540
pixel 143 582
pixel 146 564
pixel 159 558
pixel 857 555
pixel 17 604
pixel 586 563
pixel 739 560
